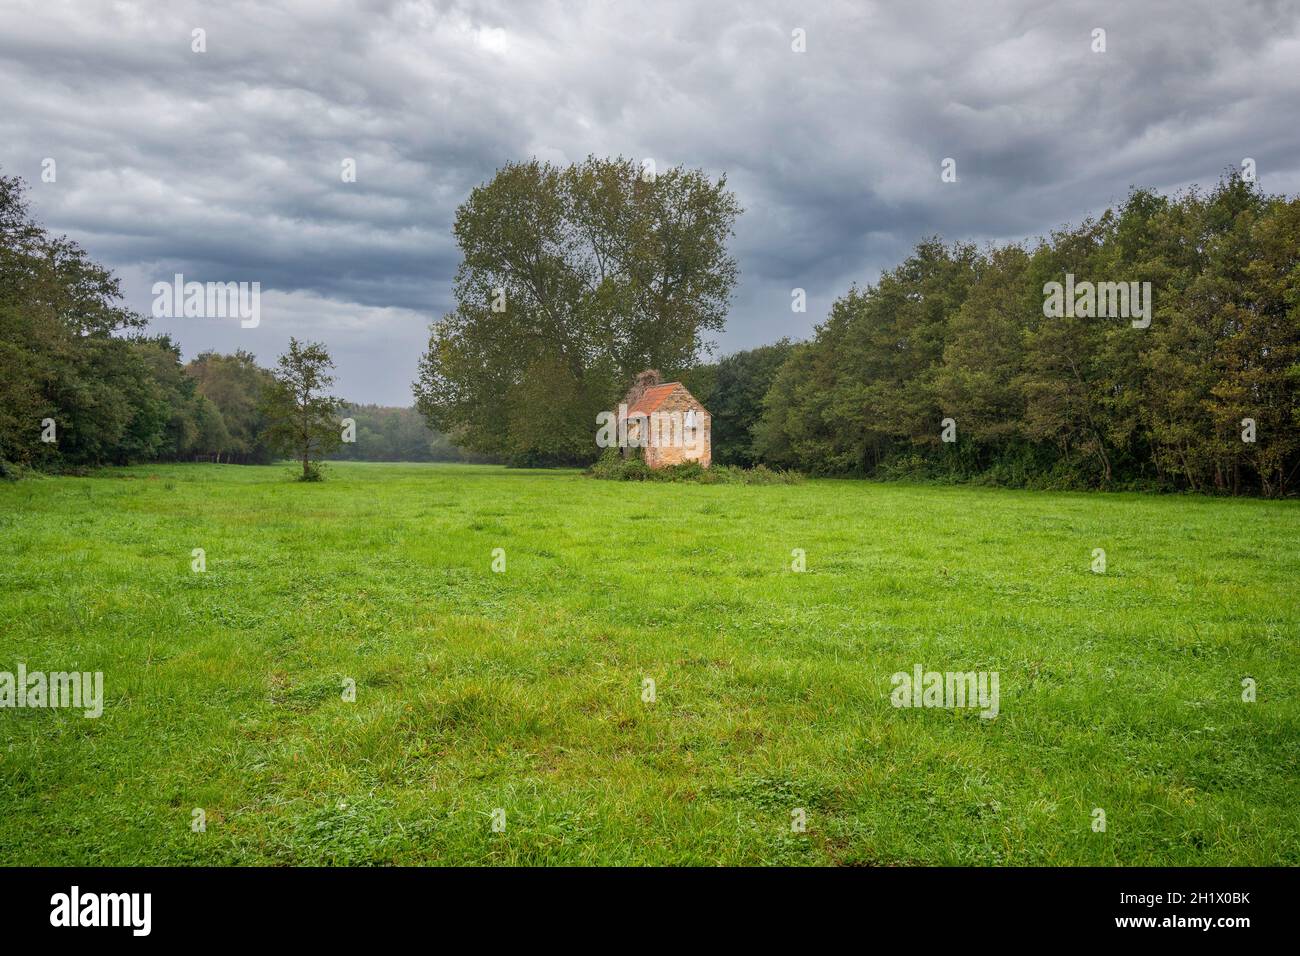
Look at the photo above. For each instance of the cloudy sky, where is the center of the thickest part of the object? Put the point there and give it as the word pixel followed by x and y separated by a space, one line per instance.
pixel 225 165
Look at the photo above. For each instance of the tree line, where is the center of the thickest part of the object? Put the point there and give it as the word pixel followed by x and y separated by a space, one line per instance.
pixel 83 384
pixel 1174 364
pixel 952 367
pixel 958 364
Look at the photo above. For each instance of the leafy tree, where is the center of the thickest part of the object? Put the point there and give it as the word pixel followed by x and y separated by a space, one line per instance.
pixel 984 351
pixel 300 419
pixel 1064 381
pixel 598 272
pixel 572 280
pixel 1259 356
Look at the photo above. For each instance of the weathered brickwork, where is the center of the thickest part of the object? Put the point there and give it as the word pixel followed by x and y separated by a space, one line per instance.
pixel 662 411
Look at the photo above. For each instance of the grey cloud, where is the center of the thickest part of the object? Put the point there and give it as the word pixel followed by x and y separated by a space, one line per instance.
pixel 226 165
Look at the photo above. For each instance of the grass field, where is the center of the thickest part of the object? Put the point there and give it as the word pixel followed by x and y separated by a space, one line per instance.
pixel 522 690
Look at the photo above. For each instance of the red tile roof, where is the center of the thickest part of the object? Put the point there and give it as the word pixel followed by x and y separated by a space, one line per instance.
pixel 652 398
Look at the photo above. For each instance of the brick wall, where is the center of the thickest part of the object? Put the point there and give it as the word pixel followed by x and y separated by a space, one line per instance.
pixel 673 452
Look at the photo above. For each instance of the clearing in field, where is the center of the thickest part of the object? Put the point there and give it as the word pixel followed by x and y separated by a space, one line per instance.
pixel 646 679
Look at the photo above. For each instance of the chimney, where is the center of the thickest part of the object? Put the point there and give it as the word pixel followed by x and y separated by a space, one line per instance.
pixel 644 380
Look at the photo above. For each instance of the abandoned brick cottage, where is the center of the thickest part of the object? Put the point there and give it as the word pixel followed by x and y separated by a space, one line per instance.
pixel 676 427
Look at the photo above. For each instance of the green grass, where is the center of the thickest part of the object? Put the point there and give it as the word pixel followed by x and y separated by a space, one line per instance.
pixel 522 690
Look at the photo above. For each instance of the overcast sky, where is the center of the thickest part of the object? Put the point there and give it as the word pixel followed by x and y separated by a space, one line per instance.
pixel 225 165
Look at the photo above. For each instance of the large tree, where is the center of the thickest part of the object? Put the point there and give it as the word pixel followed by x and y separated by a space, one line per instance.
pixel 571 281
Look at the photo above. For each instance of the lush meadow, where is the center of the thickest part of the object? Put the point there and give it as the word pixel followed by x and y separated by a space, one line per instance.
pixel 523 690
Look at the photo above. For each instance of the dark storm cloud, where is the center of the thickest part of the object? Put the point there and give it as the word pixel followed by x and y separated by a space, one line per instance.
pixel 226 165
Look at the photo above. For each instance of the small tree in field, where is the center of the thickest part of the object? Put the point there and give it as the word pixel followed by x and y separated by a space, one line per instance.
pixel 301 420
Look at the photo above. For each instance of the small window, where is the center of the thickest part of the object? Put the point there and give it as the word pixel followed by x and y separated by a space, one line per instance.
pixel 691 421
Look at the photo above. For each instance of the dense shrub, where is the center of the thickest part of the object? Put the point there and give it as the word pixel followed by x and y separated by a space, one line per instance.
pixel 612 466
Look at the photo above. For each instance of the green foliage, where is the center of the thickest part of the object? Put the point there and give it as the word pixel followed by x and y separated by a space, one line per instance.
pixel 301 420
pixel 760 474
pixel 733 391
pixel 70 352
pixel 60 358
pixel 571 281
pixel 604 273
pixel 1076 402
pixel 232 428
pixel 611 466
